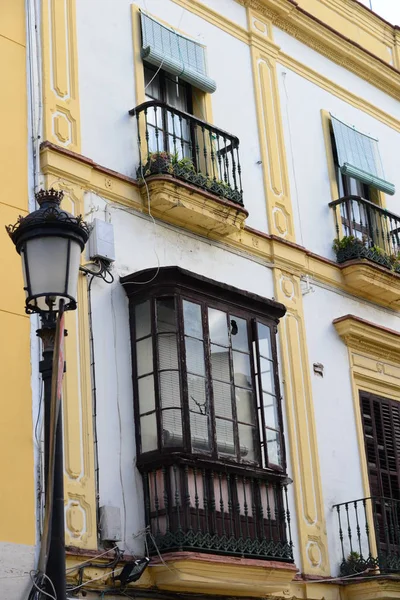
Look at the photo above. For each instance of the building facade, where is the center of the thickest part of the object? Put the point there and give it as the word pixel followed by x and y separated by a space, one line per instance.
pixel 232 397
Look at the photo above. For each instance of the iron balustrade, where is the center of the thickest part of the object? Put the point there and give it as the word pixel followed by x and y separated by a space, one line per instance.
pixel 369 534
pixel 192 505
pixel 173 142
pixel 365 230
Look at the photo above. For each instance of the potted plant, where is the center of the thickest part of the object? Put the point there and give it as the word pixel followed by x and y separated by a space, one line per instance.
pixel 349 247
pixel 158 162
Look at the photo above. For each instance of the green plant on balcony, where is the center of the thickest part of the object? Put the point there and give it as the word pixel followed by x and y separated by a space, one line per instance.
pixel 157 162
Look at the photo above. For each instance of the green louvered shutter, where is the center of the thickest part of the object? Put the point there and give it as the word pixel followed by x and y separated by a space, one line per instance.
pixel 358 156
pixel 176 53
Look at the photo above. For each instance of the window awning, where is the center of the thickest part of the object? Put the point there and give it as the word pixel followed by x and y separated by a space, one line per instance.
pixel 358 156
pixel 177 54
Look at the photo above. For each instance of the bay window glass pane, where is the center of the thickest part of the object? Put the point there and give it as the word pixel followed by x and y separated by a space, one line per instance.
pixel 199 414
pixel 218 326
pixel 172 427
pixel 192 319
pixel 144 356
pixel 270 411
pixel 225 439
pixel 166 319
pixel 220 363
pixel 241 369
pixel 142 319
pixel 197 395
pixel 244 405
pixel 148 432
pixel 222 399
pixel 170 391
pixel 267 375
pixel 195 356
pixel 239 334
pixel 274 447
pixel 147 400
pixel 199 432
pixel 167 351
pixel 264 340
pixel 247 435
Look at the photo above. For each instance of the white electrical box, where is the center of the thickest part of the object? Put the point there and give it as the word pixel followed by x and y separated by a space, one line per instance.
pixel 110 523
pixel 101 241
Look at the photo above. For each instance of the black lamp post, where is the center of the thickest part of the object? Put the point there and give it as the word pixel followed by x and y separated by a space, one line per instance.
pixel 50 241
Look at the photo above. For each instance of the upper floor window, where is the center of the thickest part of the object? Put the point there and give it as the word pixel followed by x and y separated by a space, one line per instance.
pixel 205 370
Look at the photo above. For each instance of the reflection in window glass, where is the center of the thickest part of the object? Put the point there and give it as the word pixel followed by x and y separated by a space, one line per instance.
pixel 147 399
pixel 195 356
pixel 144 354
pixel 170 392
pixel 274 447
pixel 247 442
pixel 244 405
pixel 238 328
pixel 220 363
pixel 166 315
pixel 241 368
pixel 167 351
pixel 192 319
pixel 148 432
pixel 222 399
pixel 225 439
pixel 142 319
pixel 218 326
pixel 270 411
pixel 264 340
pixel 172 427
pixel 267 375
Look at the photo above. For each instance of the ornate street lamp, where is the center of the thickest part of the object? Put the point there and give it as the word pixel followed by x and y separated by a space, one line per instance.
pixel 50 241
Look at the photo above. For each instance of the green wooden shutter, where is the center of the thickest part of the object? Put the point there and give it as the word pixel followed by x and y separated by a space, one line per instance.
pixel 176 53
pixel 358 156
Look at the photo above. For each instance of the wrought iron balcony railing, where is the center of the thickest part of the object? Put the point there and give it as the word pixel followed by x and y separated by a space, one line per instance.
pixel 369 534
pixel 193 505
pixel 365 230
pixel 176 143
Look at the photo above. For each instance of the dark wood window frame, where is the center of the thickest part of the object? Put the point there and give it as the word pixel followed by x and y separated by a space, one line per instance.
pixel 184 285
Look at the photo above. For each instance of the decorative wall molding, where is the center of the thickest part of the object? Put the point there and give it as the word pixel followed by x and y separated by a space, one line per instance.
pixel 338 46
pixel 60 74
pixel 301 427
pixel 380 342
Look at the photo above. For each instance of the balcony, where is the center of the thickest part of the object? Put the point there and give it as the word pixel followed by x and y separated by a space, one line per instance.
pixel 178 148
pixel 367 244
pixel 195 506
pixel 369 534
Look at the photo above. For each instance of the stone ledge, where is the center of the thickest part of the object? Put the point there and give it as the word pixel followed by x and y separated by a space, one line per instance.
pixel 222 575
pixel 183 204
pixel 373 282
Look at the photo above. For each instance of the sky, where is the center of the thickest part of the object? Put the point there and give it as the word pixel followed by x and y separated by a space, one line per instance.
pixel 388 9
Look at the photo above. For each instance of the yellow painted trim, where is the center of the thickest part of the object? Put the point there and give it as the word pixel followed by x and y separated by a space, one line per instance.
pixel 310 513
pixel 270 127
pixel 326 128
pixel 137 59
pixel 60 74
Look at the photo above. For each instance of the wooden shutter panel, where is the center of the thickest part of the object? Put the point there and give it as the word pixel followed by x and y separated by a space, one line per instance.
pixel 381 424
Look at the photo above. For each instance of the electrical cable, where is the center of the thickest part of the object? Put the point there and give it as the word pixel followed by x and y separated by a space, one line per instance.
pixel 88 563
pixel 37 587
pixel 112 573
